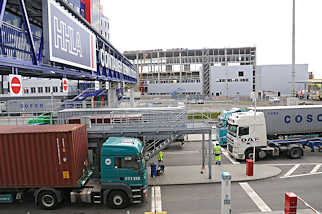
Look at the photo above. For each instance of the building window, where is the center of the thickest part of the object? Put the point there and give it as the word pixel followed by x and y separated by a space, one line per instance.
pixel 40 90
pixel 33 90
pixel 168 67
pixel 55 89
pixel 240 73
pixel 187 67
pixel 47 89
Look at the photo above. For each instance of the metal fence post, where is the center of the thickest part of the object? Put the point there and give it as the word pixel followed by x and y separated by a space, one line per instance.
pixel 210 154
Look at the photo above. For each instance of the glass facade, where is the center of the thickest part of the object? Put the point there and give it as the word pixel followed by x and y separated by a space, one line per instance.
pixel 95 14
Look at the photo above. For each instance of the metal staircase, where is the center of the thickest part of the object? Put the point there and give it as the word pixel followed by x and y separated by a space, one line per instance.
pixel 206 72
pixel 157 145
pixel 89 92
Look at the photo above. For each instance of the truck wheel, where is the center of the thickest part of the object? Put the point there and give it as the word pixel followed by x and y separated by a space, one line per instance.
pixel 47 200
pixel 118 200
pixel 295 153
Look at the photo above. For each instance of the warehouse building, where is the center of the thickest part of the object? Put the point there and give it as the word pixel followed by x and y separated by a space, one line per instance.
pixel 211 72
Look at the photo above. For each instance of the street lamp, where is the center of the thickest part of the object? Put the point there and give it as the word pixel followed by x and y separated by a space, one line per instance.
pixel 293 52
pixel 253 97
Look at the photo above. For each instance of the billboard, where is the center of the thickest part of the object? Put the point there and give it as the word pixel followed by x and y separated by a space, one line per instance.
pixel 68 40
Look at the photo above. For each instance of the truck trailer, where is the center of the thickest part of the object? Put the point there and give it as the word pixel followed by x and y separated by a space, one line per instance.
pixel 52 162
pixel 274 131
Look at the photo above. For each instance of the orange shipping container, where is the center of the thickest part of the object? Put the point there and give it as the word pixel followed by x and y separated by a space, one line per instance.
pixel 43 156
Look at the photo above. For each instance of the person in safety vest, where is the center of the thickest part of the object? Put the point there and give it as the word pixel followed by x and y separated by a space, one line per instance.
pixel 160 156
pixel 217 153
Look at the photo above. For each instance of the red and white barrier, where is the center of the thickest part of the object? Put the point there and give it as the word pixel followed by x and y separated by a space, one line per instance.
pixel 290 205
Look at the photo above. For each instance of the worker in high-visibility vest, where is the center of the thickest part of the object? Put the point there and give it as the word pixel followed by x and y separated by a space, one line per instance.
pixel 217 153
pixel 160 156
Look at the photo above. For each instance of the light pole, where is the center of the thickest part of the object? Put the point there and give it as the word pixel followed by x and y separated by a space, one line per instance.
pixel 253 96
pixel 293 52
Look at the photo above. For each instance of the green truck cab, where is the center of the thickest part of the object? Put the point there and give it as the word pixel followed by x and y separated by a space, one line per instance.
pixel 123 178
pixel 123 175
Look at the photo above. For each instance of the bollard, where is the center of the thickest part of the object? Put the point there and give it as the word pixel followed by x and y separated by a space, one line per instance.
pixel 225 193
pixel 290 203
pixel 249 167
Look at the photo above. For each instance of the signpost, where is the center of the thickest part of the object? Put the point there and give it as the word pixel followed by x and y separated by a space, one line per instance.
pixel 253 97
pixel 15 85
pixel 65 85
pixel 225 193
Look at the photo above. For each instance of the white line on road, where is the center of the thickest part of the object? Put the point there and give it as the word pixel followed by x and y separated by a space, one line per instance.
pixel 152 201
pixel 291 171
pixel 288 164
pixel 255 197
pixel 158 203
pixel 228 156
pixel 301 175
pixel 316 168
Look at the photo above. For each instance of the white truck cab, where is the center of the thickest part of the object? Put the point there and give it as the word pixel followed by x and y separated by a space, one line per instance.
pixel 244 131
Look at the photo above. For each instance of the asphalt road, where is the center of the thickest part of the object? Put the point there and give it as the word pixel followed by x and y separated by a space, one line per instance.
pixel 296 177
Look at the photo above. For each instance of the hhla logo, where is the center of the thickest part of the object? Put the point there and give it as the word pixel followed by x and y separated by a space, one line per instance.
pixel 66 39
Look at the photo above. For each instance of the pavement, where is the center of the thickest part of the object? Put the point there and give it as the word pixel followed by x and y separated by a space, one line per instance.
pixel 183 175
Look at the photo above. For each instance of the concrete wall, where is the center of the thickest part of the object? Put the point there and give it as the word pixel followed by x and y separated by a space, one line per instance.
pixel 278 78
pixel 228 81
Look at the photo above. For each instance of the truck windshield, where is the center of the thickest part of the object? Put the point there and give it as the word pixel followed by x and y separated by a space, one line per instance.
pixel 220 124
pixel 232 129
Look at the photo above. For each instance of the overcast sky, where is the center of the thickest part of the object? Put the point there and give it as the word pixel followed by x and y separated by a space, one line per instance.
pixel 266 24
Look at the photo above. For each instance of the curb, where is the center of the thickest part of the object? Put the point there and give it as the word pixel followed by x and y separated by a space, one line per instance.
pixel 213 182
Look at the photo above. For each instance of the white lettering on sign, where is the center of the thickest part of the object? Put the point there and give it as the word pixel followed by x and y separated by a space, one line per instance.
pixel 132 178
pixel 66 39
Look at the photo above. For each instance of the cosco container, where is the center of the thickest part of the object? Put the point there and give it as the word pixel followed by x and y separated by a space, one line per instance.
pixel 283 120
pixel 43 156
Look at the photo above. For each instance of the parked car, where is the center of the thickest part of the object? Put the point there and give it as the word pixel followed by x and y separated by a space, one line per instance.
pixel 274 100
pixel 192 101
pixel 156 101
pixel 201 101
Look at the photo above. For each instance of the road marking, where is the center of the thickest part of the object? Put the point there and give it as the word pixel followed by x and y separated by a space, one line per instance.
pixel 228 156
pixel 316 168
pixel 288 164
pixel 156 203
pixel 300 175
pixel 291 171
pixel 152 200
pixel 255 197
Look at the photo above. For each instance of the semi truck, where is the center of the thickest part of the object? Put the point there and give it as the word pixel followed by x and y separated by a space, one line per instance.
pixel 51 161
pixel 274 131
pixel 221 126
